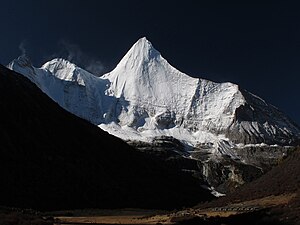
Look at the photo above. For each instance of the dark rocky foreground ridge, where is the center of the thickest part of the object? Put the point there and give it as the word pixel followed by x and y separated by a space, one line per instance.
pixel 51 159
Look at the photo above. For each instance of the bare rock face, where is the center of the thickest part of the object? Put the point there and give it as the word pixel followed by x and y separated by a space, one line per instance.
pixel 223 173
pixel 227 174
pixel 259 122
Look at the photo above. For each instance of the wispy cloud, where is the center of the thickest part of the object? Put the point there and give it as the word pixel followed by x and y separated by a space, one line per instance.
pixel 74 54
pixel 22 47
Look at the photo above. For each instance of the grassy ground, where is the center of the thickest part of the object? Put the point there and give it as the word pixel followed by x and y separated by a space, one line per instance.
pixel 257 208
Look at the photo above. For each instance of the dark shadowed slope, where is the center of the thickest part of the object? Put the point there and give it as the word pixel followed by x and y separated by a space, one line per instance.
pixel 51 159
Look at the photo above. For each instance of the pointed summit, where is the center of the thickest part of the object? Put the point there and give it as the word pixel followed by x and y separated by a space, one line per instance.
pixel 143 47
pixel 140 53
pixel 144 75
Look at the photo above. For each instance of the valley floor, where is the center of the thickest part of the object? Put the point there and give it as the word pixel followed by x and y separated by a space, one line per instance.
pixel 282 209
pixel 255 210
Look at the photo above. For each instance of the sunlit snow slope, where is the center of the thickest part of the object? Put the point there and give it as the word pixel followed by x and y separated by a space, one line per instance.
pixel 145 97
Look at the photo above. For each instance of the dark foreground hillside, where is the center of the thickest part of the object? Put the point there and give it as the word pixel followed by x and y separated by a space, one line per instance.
pixel 51 159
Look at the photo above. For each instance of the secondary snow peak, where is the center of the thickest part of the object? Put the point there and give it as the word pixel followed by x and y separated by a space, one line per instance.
pixel 22 61
pixel 23 65
pixel 61 68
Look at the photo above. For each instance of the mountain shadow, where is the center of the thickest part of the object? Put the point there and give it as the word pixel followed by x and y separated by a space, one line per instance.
pixel 50 160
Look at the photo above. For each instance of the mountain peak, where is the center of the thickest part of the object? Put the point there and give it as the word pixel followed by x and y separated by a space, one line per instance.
pixel 58 63
pixel 143 47
pixel 22 61
pixel 23 65
pixel 143 39
pixel 140 53
pixel 143 43
pixel 66 70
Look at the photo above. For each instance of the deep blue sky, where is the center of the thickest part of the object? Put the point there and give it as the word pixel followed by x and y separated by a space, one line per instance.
pixel 254 45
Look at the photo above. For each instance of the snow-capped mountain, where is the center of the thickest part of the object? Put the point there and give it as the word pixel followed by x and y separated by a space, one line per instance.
pixel 145 97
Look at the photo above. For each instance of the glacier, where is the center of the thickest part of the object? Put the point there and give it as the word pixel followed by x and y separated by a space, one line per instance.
pixel 145 97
